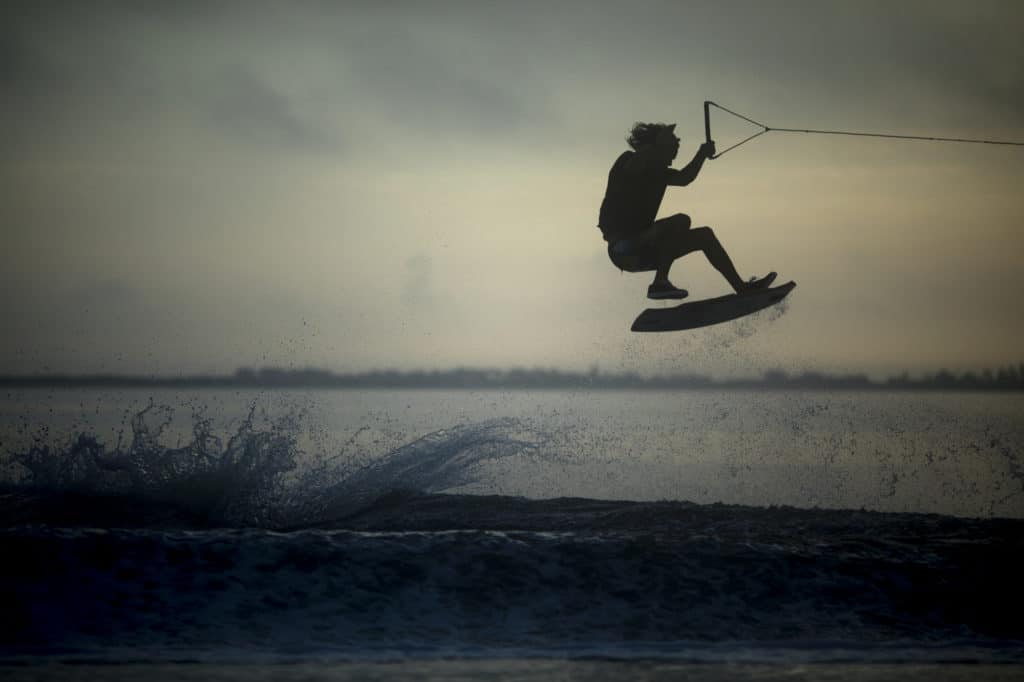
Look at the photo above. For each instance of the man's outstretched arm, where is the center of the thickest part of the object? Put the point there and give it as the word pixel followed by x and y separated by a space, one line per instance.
pixel 688 173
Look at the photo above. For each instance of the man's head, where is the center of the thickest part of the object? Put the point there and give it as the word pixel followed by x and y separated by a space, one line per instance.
pixel 657 140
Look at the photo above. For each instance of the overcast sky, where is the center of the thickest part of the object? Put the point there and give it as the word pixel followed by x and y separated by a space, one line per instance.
pixel 196 186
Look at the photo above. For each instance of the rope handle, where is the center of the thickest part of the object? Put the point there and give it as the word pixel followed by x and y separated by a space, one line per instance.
pixel 766 129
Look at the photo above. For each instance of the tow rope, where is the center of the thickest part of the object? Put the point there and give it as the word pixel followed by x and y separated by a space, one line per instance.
pixel 768 129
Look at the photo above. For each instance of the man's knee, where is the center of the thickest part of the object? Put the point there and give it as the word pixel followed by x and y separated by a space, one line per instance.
pixel 704 237
pixel 681 221
pixel 673 228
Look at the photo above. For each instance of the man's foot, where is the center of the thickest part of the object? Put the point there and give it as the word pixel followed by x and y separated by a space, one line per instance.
pixel 663 290
pixel 756 284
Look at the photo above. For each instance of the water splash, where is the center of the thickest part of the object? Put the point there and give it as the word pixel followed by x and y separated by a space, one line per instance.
pixel 259 476
pixel 231 481
pixel 438 461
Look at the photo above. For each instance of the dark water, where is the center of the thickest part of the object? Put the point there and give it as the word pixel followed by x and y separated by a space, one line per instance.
pixel 435 575
pixel 521 670
pixel 234 549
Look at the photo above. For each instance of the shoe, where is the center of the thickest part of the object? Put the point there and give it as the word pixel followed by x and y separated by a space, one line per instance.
pixel 763 283
pixel 666 291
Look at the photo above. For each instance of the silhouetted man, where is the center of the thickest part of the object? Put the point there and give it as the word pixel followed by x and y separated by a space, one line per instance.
pixel 639 243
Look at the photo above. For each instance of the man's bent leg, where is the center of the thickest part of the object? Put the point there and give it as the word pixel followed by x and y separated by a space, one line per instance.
pixel 674 243
pixel 666 234
pixel 717 256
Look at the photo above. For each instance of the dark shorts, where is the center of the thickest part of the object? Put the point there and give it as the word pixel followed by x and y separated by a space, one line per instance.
pixel 632 255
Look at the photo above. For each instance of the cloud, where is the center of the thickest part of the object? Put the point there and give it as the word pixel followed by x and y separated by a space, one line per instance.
pixel 241 106
pixel 66 74
pixel 424 74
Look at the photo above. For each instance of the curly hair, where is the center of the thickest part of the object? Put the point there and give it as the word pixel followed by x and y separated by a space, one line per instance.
pixel 645 133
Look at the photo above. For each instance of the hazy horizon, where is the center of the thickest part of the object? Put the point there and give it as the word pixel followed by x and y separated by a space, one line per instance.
pixel 984 375
pixel 193 188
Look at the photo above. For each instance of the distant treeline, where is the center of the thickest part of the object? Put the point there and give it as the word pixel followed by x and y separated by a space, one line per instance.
pixel 1005 379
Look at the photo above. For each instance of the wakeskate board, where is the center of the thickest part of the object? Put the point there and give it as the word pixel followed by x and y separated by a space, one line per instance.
pixel 709 311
